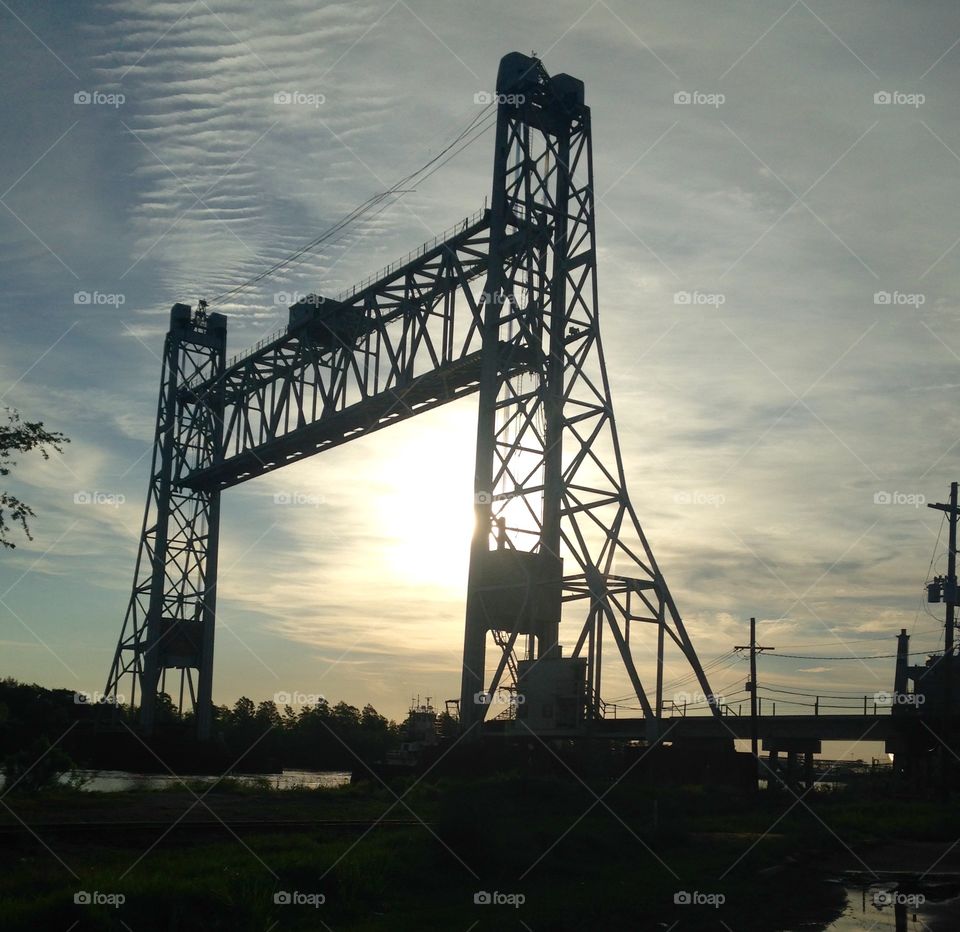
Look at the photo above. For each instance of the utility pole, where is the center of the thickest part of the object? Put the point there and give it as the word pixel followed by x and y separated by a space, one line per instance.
pixel 950 597
pixel 752 689
pixel 949 582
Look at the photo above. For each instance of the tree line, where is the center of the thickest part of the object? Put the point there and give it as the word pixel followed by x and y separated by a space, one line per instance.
pixel 322 736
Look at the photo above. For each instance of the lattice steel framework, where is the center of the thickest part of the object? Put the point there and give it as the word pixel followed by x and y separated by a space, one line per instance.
pixel 553 515
pixel 169 624
pixel 506 306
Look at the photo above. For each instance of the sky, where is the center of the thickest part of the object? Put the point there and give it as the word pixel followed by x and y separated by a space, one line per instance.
pixel 778 254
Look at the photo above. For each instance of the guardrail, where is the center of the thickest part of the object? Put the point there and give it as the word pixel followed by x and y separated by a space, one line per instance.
pixel 421 250
pixel 877 704
pixel 350 292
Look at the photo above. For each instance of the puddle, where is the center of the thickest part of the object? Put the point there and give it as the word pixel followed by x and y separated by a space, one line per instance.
pixel 899 902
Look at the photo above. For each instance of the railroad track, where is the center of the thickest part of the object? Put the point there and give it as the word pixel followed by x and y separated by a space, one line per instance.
pixel 102 828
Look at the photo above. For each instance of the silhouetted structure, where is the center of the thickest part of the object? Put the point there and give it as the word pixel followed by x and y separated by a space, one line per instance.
pixel 504 305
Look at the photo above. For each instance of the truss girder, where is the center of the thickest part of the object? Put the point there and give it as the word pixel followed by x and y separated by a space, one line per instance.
pixel 400 346
pixel 505 307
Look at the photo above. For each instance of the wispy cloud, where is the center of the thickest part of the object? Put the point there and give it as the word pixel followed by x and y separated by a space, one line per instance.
pixel 760 417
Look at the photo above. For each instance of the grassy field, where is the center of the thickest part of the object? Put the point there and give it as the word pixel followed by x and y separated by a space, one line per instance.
pixel 575 862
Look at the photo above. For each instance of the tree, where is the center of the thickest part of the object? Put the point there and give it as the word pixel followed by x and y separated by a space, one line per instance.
pixel 36 767
pixel 267 714
pixel 288 718
pixel 165 711
pixel 372 720
pixel 18 436
pixel 346 716
pixel 243 710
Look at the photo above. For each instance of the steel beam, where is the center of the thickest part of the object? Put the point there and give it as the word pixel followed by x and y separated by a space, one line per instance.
pixel 169 624
pixel 505 306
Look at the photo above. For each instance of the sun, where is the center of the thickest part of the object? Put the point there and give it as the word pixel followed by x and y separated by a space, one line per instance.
pixel 426 509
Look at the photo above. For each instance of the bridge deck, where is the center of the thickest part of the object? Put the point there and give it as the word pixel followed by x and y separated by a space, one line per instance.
pixel 791 727
pixel 445 383
pixel 786 728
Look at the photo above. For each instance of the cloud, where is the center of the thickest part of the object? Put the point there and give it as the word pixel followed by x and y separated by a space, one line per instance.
pixel 755 433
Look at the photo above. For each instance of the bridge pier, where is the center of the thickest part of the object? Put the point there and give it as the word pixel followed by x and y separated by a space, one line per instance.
pixel 799 751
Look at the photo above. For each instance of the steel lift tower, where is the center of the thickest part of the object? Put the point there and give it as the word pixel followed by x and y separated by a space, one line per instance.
pixel 169 623
pixel 504 305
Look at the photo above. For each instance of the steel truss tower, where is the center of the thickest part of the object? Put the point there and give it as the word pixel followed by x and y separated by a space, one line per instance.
pixel 169 624
pixel 553 515
pixel 505 305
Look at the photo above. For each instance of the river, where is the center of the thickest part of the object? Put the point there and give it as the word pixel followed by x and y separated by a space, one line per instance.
pixel 113 781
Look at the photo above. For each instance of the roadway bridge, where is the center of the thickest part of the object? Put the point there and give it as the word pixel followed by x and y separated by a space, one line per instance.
pixel 770 729
pixel 777 733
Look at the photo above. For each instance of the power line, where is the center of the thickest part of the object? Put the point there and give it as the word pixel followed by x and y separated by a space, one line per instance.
pixel 732 657
pixel 848 657
pixel 795 692
pixel 722 691
pixel 371 202
pixel 841 641
pixel 713 666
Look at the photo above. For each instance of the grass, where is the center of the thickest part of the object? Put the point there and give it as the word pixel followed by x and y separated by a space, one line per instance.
pixel 575 865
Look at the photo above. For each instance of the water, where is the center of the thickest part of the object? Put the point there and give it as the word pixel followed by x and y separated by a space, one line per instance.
pixel 875 909
pixel 819 786
pixel 113 781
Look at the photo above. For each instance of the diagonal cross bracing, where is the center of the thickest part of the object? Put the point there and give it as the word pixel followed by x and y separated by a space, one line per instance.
pixel 344 368
pixel 505 307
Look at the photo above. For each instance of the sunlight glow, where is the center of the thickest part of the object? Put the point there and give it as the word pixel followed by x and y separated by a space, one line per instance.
pixel 427 510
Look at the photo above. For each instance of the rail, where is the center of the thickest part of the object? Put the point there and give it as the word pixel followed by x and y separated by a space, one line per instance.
pixel 421 250
pixel 597 704
pixel 875 704
pixel 350 292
